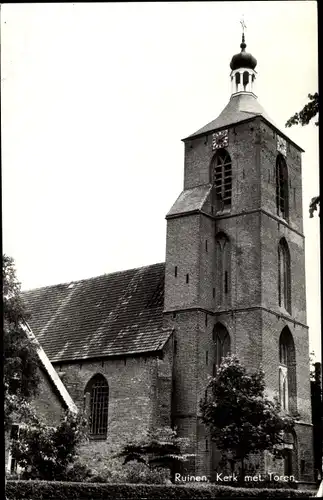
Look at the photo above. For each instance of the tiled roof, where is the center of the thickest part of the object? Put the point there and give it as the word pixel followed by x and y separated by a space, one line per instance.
pixel 189 200
pixel 109 315
pixel 240 107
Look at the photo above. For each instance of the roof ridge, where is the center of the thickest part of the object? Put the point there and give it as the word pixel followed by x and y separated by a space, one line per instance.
pixel 76 282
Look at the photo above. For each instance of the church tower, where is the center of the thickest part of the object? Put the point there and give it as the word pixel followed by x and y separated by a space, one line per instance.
pixel 235 269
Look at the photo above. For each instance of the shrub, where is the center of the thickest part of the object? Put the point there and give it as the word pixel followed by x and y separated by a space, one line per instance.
pixel 132 472
pixel 49 452
pixel 46 490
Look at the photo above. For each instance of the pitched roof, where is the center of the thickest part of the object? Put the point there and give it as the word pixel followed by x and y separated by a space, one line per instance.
pixel 190 200
pixel 110 315
pixel 239 108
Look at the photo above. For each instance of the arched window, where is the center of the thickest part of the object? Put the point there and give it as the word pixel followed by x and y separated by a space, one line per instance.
pixel 284 277
pixel 287 371
pixel 97 403
pixel 222 256
pixel 281 187
pixel 222 178
pixel 222 345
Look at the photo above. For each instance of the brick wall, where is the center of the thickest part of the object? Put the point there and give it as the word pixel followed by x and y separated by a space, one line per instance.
pixel 139 397
pixel 47 403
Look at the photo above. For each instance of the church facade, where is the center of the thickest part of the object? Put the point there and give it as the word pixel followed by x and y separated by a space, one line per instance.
pixel 135 349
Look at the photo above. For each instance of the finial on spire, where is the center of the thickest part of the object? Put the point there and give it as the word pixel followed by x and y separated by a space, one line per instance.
pixel 243 25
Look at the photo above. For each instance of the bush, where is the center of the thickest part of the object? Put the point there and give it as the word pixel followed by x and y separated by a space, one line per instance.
pixel 132 472
pixel 49 452
pixel 52 490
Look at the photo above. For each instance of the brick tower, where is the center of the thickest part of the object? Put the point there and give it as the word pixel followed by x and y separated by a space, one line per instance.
pixel 235 269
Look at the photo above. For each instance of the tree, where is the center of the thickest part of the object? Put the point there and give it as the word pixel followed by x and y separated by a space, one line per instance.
pixel 158 448
pixel 21 361
pixel 49 453
pixel 241 419
pixel 309 111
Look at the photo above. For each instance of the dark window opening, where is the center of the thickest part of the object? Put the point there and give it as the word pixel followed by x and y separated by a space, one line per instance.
pixel 187 278
pixel 213 292
pixel 175 346
pixel 284 276
pixel 207 357
pixel 175 271
pixel 281 187
pixel 226 285
pixel 206 245
pixel 245 79
pixel 302 466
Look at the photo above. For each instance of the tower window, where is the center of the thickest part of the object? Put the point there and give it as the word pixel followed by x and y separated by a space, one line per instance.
pixel 207 357
pixel 222 248
pixel 281 187
pixel 222 178
pixel 287 371
pixel 284 276
pixel 175 272
pixel 206 245
pixel 226 288
pixel 187 278
pixel 98 390
pixel 222 345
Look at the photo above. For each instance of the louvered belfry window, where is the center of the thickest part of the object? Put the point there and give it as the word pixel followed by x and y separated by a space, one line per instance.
pixel 222 177
pixel 98 390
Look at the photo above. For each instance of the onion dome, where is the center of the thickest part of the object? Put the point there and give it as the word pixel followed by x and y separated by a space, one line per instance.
pixel 243 59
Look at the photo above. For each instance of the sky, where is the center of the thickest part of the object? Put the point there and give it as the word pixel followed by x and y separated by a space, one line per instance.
pixel 96 98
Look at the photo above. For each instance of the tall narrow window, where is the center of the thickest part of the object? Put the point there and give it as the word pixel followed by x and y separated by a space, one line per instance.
pixel 98 401
pixel 281 187
pixel 287 371
pixel 222 345
pixel 284 276
pixel 222 178
pixel 222 248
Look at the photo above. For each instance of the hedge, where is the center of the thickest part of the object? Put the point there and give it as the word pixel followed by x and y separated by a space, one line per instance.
pixel 54 490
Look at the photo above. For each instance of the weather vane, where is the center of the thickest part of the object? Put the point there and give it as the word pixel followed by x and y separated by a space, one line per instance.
pixel 243 24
